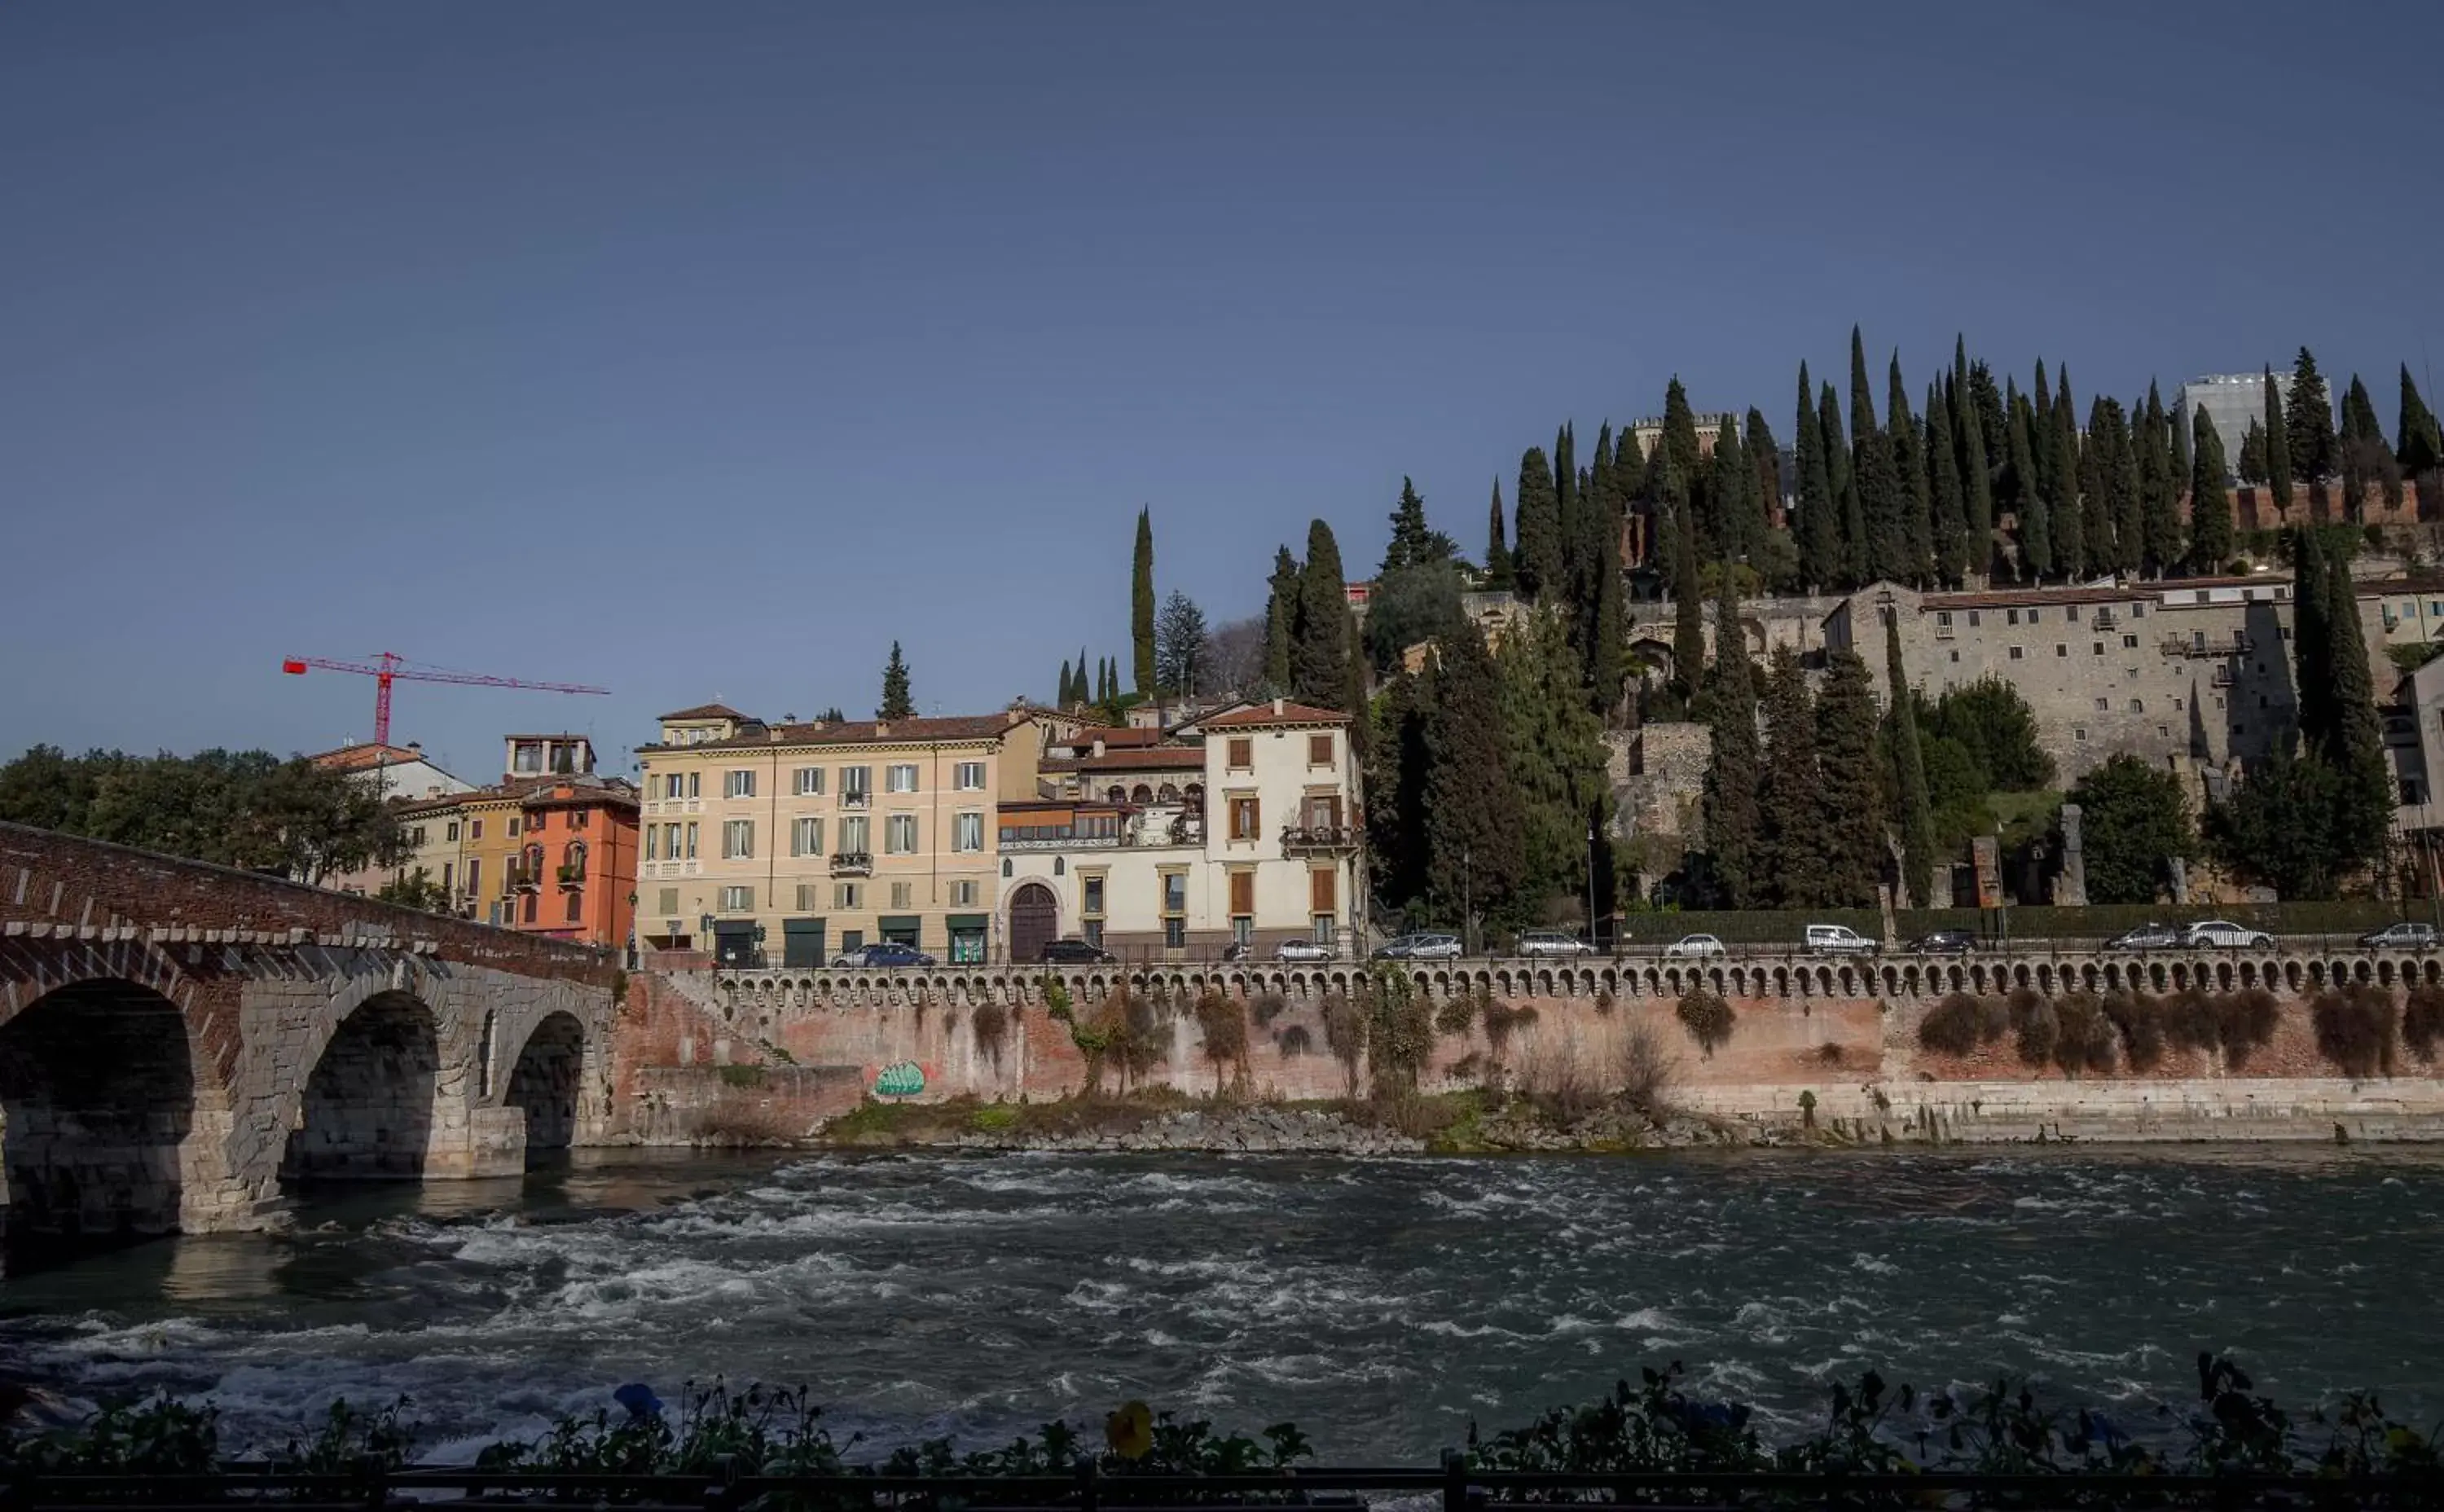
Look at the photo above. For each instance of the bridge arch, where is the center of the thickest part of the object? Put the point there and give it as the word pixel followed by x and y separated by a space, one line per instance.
pixel 367 1109
pixel 96 1106
pixel 545 1085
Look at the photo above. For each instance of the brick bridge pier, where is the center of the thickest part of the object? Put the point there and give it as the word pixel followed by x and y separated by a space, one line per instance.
pixel 180 1044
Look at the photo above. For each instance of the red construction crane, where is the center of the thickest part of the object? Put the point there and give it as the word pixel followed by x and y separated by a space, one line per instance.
pixel 389 666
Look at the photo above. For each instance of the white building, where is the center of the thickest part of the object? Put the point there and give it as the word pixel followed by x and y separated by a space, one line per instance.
pixel 396 771
pixel 1244 830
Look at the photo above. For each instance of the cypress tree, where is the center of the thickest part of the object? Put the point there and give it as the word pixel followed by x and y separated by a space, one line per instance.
pixel 1141 605
pixel 1603 503
pixel 1986 403
pixel 2178 430
pixel 1474 851
pixel 2368 461
pixel 2252 452
pixel 2129 513
pixel 2064 513
pixel 1912 486
pixel 2042 434
pixel 1837 445
pixel 1281 621
pixel 2309 425
pixel 1568 497
pixel 2160 487
pixel 1951 529
pixel 1536 562
pixel 896 701
pixel 2418 443
pixel 1730 481
pixel 1790 870
pixel 1873 476
pixel 2363 802
pixel 2209 504
pixel 1765 464
pixel 1818 532
pixel 1553 749
pixel 1061 689
pixel 1850 789
pixel 2278 448
pixel 1497 555
pixel 1607 655
pixel 1977 479
pixel 1909 772
pixel 1688 610
pixel 1730 793
pixel 2096 491
pixel 2312 639
pixel 1319 644
pixel 1679 446
pixel 2036 517
pixel 1838 461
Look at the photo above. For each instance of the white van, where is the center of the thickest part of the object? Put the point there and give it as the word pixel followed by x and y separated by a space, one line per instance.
pixel 1837 939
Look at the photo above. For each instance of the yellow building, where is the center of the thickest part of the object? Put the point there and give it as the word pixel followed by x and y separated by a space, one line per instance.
pixel 791 844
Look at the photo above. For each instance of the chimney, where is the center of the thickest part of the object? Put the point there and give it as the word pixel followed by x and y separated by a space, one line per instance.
pixel 775 733
pixel 416 745
pixel 880 729
pixel 1279 707
pixel 1099 745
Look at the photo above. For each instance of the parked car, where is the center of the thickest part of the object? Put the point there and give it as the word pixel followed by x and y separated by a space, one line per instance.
pixel 2402 936
pixel 2224 935
pixel 1075 952
pixel 1837 939
pixel 1436 947
pixel 1304 950
pixel 1694 947
pixel 2146 938
pixel 1552 942
pixel 1945 942
pixel 886 953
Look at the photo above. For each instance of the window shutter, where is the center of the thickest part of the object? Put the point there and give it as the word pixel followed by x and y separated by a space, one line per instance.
pixel 1243 891
pixel 1320 892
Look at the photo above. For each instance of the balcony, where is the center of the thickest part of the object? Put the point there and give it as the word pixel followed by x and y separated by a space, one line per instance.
pixel 571 876
pixel 522 880
pixel 2239 645
pixel 856 798
pixel 853 863
pixel 1311 840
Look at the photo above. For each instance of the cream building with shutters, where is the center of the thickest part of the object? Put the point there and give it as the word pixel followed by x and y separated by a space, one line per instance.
pixel 1159 853
pixel 789 843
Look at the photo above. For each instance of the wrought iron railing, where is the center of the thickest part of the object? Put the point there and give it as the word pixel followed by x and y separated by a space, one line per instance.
pixel 853 863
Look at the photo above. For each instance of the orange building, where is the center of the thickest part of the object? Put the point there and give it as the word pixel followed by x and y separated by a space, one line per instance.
pixel 574 876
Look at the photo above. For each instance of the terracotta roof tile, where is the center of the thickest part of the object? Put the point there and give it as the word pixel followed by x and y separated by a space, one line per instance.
pixel 1263 714
pixel 706 711
pixel 921 730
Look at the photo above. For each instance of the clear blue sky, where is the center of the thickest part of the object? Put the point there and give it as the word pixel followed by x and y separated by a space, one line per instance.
pixel 700 350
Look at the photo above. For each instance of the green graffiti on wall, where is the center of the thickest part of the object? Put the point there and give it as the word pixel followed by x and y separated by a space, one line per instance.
pixel 901 1079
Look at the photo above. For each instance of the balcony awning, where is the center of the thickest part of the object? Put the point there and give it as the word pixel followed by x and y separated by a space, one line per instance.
pixel 968 921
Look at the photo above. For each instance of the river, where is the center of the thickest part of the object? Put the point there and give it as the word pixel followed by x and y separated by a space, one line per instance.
pixel 1381 1305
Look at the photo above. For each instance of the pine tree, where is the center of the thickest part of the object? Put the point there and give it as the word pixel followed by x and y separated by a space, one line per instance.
pixel 1912 488
pixel 1320 641
pixel 1414 543
pixel 2209 504
pixel 2252 452
pixel 2418 441
pixel 1951 526
pixel 1182 645
pixel 1141 605
pixel 2160 490
pixel 1874 475
pixel 2308 422
pixel 1281 621
pixel 1851 789
pixel 1977 479
pixel 2036 516
pixel 1909 771
pixel 1731 775
pixel 1536 564
pixel 1790 870
pixel 2065 513
pixel 2278 448
pixel 1819 530
pixel 1474 856
pixel 897 703
pixel 1553 751
pixel 1497 555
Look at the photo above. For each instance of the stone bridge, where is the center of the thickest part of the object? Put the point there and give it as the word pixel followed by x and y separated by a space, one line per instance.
pixel 181 1045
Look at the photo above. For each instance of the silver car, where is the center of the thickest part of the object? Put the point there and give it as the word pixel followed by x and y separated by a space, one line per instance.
pixel 2224 935
pixel 1553 943
pixel 1302 950
pixel 1694 947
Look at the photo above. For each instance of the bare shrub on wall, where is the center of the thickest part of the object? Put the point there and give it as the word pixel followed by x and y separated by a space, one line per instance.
pixel 2423 1022
pixel 2249 1017
pixel 1294 1041
pixel 991 1027
pixel 2034 1027
pixel 1708 1019
pixel 2138 1018
pixel 1957 1026
pixel 1222 1020
pixel 1556 1077
pixel 1399 1032
pixel 1500 1018
pixel 2358 1029
pixel 1647 1071
pixel 1268 1006
pixel 1344 1035
pixel 1458 1015
pixel 2084 1036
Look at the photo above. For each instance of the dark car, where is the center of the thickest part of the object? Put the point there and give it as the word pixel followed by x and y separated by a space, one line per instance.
pixel 886 953
pixel 1945 942
pixel 1075 952
pixel 2403 936
pixel 2146 938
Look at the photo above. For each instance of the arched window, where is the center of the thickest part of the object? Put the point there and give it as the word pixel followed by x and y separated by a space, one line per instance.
pixel 1168 795
pixel 1056 866
pixel 1141 794
pixel 1117 794
pixel 1005 866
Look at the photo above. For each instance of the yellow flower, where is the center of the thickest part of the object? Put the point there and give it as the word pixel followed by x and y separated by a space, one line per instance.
pixel 1130 1430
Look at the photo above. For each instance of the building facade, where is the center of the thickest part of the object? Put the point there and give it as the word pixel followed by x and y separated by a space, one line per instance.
pixel 574 875
pixel 793 842
pixel 1243 829
pixel 2230 401
pixel 398 771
